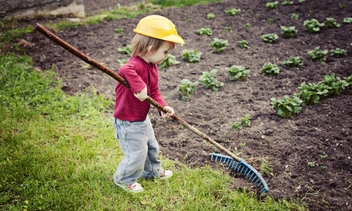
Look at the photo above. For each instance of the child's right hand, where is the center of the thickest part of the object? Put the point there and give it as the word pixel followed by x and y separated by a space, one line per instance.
pixel 142 95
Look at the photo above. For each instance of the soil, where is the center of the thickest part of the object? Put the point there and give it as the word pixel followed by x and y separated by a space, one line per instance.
pixel 288 144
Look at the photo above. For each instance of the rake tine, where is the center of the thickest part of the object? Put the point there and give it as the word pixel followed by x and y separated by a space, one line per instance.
pixel 241 167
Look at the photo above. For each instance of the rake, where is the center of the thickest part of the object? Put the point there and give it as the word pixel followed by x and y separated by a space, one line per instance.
pixel 232 161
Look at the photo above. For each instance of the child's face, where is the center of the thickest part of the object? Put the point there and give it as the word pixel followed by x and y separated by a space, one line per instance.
pixel 158 56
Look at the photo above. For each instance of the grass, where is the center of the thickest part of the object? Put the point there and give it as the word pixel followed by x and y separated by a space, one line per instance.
pixel 57 152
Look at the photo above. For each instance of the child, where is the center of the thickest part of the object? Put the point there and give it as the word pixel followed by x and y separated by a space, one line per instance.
pixel 156 35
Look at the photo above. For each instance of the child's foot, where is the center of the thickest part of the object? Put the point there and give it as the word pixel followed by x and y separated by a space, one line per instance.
pixel 133 188
pixel 166 174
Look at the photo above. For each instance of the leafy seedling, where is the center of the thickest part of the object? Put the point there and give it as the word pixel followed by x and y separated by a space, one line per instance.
pixel 286 3
pixel 347 20
pixel 228 28
pixel 244 44
pixel 313 25
pixel 311 93
pixel 287 106
pixel 119 30
pixel 338 52
pixel 334 84
pixel 122 61
pixel 288 31
pixel 125 50
pixel 331 23
pixel 205 31
pixel 232 12
pixel 246 120
pixel 293 61
pixel 311 164
pixel 270 69
pixel 271 21
pixel 191 56
pixel 237 72
pixel 294 16
pixel 210 16
pixel 168 61
pixel 317 54
pixel 271 5
pixel 324 157
pixel 265 168
pixel 187 88
pixel 209 80
pixel 219 45
pixel 248 25
pixel 270 38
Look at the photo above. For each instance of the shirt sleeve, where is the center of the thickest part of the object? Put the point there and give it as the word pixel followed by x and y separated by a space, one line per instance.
pixel 131 76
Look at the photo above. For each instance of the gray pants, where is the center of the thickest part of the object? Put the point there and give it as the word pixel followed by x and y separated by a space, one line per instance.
pixel 140 149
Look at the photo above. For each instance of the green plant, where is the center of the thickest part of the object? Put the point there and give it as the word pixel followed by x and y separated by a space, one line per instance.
pixel 248 25
pixel 294 16
pixel 168 61
pixel 293 61
pixel 228 28
pixel 338 52
pixel 311 164
pixel 317 54
pixel 287 106
pixel 119 30
pixel 313 25
pixel 347 20
pixel 205 31
pixel 209 80
pixel 324 157
pixel 271 5
pixel 210 16
pixel 331 23
pixel 219 45
pixel 244 44
pixel 187 88
pixel 238 72
pixel 237 126
pixel 311 93
pixel 286 3
pixel 125 50
pixel 288 31
pixel 349 80
pixel 232 11
pixel 191 55
pixel 246 120
pixel 301 1
pixel 122 61
pixel 334 84
pixel 270 69
pixel 265 168
pixel 270 38
pixel 271 21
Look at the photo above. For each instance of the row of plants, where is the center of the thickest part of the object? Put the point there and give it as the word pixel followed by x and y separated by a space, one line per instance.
pixel 310 93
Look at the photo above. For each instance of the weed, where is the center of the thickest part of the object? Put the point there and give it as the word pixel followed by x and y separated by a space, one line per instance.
pixel 122 61
pixel 295 16
pixel 265 168
pixel 324 157
pixel 237 72
pixel 248 25
pixel 347 20
pixel 311 164
pixel 209 80
pixel 119 30
pixel 125 50
pixel 286 3
pixel 228 28
pixel 271 21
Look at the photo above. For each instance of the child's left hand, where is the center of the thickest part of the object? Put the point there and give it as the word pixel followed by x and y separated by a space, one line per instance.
pixel 169 113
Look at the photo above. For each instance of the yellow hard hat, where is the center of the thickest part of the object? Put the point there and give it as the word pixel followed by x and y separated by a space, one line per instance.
pixel 159 27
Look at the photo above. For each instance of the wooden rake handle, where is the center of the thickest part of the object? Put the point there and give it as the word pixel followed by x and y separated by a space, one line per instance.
pixel 117 77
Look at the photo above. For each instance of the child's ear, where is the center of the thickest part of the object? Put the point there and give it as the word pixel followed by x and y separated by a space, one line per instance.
pixel 150 49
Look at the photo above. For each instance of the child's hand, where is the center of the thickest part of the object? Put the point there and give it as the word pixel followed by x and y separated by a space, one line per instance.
pixel 142 95
pixel 169 113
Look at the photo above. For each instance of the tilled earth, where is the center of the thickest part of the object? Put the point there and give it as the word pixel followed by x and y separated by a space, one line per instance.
pixel 319 134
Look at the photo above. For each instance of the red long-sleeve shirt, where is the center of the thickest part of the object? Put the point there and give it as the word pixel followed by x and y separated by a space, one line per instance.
pixel 138 73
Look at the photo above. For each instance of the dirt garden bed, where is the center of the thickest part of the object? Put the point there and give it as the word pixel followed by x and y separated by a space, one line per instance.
pixel 320 133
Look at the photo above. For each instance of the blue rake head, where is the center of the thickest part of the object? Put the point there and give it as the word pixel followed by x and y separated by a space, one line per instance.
pixel 243 168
